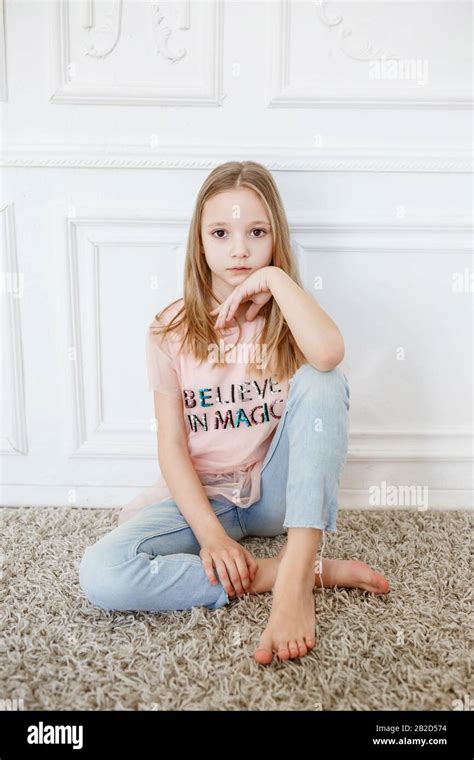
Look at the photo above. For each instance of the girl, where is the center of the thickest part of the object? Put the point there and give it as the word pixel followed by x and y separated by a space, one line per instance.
pixel 252 433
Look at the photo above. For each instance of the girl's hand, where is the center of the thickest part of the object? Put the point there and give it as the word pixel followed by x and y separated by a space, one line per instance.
pixel 255 288
pixel 235 565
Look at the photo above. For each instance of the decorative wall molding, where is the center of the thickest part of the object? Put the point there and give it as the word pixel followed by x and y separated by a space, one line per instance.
pixel 380 236
pixel 459 229
pixel 109 494
pixel 163 33
pixel 447 444
pixel 140 155
pixel 3 57
pixel 129 439
pixel 94 436
pixel 78 435
pixel 69 88
pixel 283 94
pixel 111 27
pixel 15 441
pixel 366 51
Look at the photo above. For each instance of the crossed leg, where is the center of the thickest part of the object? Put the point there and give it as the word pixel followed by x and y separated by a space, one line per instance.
pixel 291 627
pixel 337 573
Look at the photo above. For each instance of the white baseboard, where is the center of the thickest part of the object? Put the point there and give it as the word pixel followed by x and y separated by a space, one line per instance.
pixel 98 497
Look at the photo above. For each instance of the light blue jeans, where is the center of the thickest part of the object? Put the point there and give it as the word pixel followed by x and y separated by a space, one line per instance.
pixel 151 561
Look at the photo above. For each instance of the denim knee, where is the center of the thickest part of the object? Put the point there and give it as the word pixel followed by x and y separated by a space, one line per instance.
pixel 95 578
pixel 88 574
pixel 308 380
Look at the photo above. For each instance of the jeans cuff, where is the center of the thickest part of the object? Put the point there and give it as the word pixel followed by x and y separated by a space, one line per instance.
pixel 330 527
pixel 221 600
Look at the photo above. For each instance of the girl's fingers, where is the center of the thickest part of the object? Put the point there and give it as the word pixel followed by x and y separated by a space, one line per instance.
pixel 219 317
pixel 234 575
pixel 224 577
pixel 243 569
pixel 252 311
pixel 231 310
pixel 253 565
pixel 209 568
pixel 226 313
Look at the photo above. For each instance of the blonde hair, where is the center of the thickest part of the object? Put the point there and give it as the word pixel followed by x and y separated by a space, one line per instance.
pixel 193 316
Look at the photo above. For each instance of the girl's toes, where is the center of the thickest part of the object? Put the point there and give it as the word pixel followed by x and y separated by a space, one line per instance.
pixel 283 652
pixel 294 649
pixel 310 641
pixel 368 579
pixel 377 583
pixel 263 656
pixel 264 652
pixel 302 647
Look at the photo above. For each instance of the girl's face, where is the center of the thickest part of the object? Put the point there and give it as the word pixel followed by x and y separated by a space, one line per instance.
pixel 235 232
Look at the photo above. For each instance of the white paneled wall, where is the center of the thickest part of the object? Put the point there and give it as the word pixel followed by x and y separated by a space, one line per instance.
pixel 113 114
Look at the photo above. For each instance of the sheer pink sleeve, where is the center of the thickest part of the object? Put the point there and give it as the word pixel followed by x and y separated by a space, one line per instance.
pixel 161 369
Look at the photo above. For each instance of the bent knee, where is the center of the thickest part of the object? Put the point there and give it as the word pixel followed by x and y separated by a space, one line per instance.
pixel 310 381
pixel 97 580
pixel 90 575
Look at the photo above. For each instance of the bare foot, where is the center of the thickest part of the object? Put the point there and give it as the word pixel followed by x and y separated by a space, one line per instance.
pixel 291 628
pixel 341 573
pixel 290 631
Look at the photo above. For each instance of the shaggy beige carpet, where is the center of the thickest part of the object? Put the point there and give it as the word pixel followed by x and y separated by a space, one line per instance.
pixel 407 650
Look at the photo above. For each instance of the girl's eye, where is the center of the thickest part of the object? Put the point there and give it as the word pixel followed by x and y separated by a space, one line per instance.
pixel 256 229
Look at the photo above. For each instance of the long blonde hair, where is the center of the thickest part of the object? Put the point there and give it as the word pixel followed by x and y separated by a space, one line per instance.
pixel 198 325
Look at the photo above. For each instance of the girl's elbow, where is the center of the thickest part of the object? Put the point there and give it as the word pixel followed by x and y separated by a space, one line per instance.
pixel 329 361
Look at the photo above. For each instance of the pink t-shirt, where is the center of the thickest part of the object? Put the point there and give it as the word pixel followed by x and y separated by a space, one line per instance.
pixel 230 415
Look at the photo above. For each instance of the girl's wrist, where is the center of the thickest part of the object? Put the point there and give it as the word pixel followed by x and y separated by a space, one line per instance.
pixel 275 274
pixel 210 532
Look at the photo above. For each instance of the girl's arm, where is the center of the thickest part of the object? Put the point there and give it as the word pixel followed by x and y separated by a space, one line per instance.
pixel 178 470
pixel 316 334
pixel 314 331
pixel 234 564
